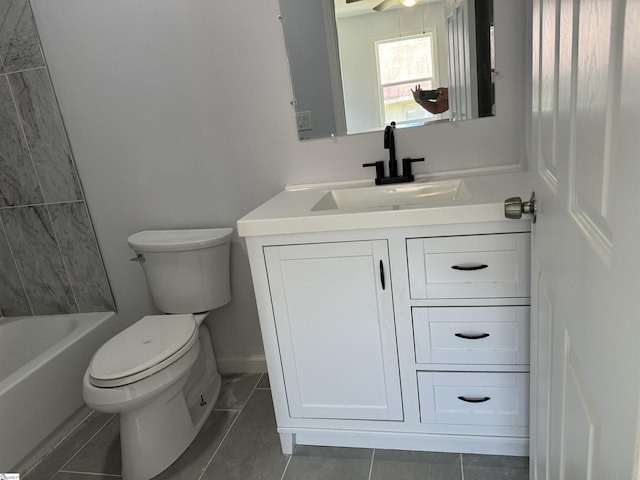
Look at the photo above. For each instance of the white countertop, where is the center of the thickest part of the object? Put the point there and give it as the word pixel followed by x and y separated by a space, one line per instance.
pixel 291 210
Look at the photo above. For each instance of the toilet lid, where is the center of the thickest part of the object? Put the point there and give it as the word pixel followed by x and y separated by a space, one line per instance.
pixel 144 348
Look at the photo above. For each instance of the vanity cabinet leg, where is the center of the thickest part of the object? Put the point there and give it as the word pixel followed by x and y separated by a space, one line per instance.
pixel 287 442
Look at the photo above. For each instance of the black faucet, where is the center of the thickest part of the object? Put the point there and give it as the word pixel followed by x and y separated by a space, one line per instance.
pixel 390 144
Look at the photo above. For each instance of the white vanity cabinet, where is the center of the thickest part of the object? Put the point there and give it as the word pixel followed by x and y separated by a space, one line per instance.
pixel 372 339
pixel 333 310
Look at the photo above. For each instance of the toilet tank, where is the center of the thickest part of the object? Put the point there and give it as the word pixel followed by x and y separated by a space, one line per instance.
pixel 187 270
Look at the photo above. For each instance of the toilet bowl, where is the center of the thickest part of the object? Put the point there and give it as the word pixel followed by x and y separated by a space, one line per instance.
pixel 160 374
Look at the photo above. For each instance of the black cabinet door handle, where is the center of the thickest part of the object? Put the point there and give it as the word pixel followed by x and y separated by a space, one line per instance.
pixel 382 274
pixel 472 336
pixel 474 399
pixel 470 268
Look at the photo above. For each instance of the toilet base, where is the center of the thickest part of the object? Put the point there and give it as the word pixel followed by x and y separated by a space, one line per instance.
pixel 204 383
pixel 154 437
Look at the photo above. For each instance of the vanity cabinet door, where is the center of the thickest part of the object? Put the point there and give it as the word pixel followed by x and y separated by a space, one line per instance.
pixel 333 311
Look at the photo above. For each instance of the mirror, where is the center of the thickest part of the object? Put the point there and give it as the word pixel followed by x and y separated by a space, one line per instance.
pixel 354 64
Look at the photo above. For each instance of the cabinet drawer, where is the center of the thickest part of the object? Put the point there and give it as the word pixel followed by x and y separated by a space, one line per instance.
pixel 498 399
pixel 472 266
pixel 472 335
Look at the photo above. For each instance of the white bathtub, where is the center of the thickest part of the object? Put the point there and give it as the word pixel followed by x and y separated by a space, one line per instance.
pixel 42 361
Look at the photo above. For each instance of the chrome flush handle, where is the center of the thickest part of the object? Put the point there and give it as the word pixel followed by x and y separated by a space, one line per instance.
pixel 138 258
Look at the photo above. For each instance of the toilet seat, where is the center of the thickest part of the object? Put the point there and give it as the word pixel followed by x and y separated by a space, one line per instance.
pixel 146 347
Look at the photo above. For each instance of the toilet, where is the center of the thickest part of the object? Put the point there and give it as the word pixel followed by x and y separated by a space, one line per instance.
pixel 160 374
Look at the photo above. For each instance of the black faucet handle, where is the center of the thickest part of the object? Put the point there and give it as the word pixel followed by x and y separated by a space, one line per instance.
pixel 379 170
pixel 406 166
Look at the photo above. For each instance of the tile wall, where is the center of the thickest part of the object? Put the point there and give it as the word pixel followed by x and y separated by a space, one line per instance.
pixel 49 258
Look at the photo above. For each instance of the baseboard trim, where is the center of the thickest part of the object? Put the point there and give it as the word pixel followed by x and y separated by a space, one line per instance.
pixel 484 445
pixel 242 364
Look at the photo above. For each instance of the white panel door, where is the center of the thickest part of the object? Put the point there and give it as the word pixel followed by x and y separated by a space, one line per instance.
pixel 585 262
pixel 333 310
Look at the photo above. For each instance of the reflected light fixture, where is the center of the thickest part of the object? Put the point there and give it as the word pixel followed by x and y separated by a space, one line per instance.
pixel 408 3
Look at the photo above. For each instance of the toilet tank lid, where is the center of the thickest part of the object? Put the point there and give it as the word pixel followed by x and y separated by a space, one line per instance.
pixel 179 240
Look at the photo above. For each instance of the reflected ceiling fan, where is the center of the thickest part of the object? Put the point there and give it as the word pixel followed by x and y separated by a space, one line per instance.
pixel 385 4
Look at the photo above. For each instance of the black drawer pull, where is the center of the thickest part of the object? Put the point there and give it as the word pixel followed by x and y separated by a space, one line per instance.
pixel 474 399
pixel 472 336
pixel 469 268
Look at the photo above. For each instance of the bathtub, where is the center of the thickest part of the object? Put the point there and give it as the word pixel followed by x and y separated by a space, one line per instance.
pixel 42 361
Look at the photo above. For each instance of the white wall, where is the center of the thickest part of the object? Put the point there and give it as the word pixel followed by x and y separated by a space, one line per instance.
pixel 178 114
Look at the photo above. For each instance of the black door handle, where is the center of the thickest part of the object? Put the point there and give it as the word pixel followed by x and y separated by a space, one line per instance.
pixel 382 274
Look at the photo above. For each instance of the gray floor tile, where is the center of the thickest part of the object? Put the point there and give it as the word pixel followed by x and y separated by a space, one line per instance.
pixel 101 454
pixel 82 476
pixel 494 467
pixel 406 465
pixel 46 469
pixel 247 447
pixel 251 451
pixel 264 381
pixel 236 389
pixel 329 463
pixel 194 460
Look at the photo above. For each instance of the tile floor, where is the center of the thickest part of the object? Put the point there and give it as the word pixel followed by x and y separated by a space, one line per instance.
pixel 239 442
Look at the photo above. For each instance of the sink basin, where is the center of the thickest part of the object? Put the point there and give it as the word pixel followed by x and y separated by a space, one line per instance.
pixel 417 194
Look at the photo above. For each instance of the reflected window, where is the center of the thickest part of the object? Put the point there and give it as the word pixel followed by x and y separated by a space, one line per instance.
pixel 402 64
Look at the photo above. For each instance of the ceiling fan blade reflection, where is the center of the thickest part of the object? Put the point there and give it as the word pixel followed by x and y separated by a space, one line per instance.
pixel 382 6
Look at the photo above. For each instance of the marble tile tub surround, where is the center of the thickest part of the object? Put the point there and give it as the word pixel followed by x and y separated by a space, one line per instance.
pixel 49 258
pixel 19 43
